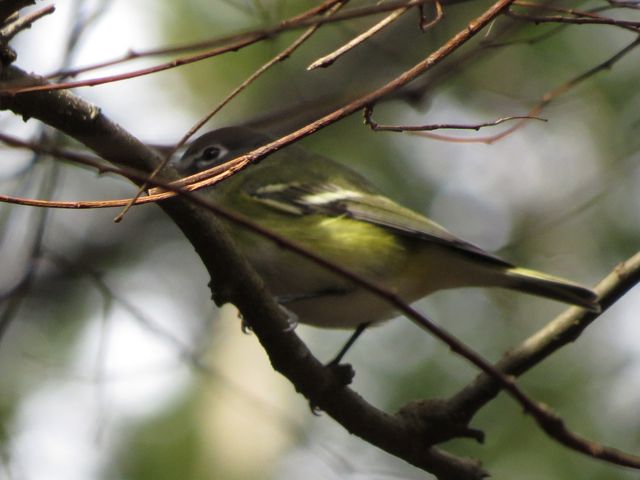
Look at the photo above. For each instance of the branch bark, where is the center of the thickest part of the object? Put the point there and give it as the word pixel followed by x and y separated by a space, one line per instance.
pixel 565 328
pixel 237 283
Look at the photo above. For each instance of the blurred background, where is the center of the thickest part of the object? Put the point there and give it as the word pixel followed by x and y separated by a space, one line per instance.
pixel 114 363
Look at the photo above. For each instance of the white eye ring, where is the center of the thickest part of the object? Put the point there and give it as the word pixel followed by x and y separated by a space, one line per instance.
pixel 210 154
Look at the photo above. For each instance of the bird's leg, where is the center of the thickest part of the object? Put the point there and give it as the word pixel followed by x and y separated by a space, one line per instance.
pixel 352 339
pixel 344 373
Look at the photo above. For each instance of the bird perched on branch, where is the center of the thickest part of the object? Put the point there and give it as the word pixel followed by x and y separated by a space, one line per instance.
pixel 333 211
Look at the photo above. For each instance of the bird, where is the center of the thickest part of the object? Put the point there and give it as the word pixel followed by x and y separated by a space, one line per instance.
pixel 333 211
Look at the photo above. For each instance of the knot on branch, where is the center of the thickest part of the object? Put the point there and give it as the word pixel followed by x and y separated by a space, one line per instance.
pixel 434 421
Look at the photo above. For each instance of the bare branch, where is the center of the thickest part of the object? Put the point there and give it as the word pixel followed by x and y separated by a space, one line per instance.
pixel 204 179
pixel 562 330
pixel 570 16
pixel 426 24
pixel 559 90
pixel 417 129
pixel 328 59
pixel 236 42
pixel 288 355
pixel 632 4
pixel 238 284
pixel 549 422
pixel 22 23
pixel 11 7
pixel 335 6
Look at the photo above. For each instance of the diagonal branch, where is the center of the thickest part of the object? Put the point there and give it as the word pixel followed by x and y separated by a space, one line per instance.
pixel 203 179
pixel 240 285
pixel 328 8
pixel 22 23
pixel 237 283
pixel 330 58
pixel 234 43
pixel 376 127
pixel 11 7
pixel 547 98
pixel 565 328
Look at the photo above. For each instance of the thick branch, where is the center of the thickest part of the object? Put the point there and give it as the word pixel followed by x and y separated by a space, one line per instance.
pixel 236 282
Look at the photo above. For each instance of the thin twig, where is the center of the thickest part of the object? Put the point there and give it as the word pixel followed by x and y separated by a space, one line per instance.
pixel 237 42
pixel 81 159
pixel 24 22
pixel 299 21
pixel 544 101
pixel 16 294
pixel 548 421
pixel 428 24
pixel 204 178
pixel 580 18
pixel 565 328
pixel 11 7
pixel 328 59
pixel 335 6
pixel 451 46
pixel 562 89
pixel 368 112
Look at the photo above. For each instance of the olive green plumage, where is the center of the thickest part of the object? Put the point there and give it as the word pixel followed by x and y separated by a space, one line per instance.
pixel 335 212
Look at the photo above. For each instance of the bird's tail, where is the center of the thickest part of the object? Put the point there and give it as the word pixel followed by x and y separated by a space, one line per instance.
pixel 541 284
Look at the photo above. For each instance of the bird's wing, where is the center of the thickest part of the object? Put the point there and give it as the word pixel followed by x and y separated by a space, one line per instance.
pixel 334 200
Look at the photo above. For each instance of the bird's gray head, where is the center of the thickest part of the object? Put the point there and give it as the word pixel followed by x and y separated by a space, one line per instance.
pixel 218 146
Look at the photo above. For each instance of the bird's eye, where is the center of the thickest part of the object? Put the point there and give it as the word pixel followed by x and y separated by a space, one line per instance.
pixel 208 156
pixel 211 153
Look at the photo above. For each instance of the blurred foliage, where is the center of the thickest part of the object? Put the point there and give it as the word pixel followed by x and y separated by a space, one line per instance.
pixel 515 195
pixel 165 447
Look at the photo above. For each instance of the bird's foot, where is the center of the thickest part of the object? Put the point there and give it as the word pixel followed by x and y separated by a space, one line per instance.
pixel 342 374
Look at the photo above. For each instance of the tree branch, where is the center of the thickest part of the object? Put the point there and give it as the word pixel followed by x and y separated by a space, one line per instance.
pixel 22 23
pixel 565 328
pixel 232 43
pixel 11 7
pixel 237 283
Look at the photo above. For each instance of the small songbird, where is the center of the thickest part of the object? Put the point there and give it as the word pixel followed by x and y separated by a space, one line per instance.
pixel 333 211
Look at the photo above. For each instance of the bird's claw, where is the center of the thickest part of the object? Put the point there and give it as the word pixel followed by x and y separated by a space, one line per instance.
pixel 343 374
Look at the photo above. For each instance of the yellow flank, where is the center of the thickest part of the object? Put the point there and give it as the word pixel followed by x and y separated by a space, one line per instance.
pixel 367 247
